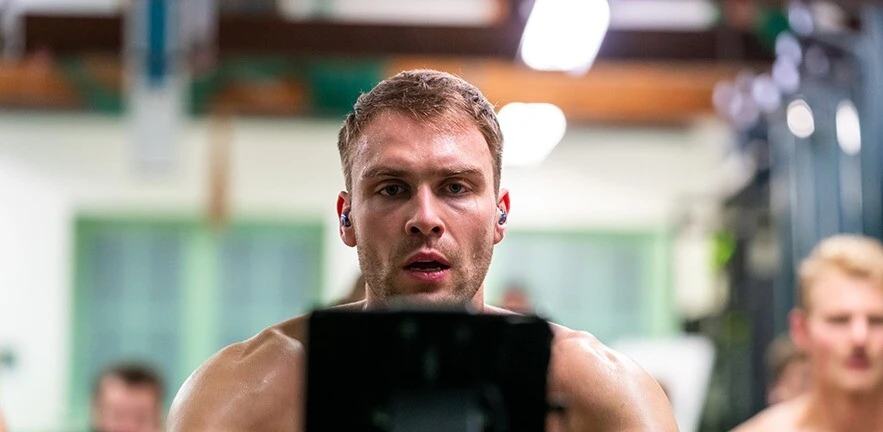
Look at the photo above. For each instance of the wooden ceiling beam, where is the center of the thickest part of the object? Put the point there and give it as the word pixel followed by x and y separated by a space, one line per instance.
pixel 612 92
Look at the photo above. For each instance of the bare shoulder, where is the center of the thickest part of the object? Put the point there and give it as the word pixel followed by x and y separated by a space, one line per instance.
pixel 779 417
pixel 248 386
pixel 602 389
pixel 255 385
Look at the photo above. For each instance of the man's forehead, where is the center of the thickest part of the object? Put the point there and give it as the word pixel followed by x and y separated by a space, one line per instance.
pixel 445 121
pixel 838 279
pixel 411 147
pixel 389 127
pixel 838 290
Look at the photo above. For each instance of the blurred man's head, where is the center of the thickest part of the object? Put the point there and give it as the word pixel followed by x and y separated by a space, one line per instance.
pixel 516 299
pixel 839 323
pixel 127 398
pixel 789 370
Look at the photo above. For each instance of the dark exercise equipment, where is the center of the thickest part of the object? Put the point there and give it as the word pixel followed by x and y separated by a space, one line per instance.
pixel 425 371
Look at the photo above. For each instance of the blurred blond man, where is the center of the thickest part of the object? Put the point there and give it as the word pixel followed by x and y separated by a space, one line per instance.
pixel 839 324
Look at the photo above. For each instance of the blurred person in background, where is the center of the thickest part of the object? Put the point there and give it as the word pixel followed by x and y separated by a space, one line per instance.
pixel 839 324
pixel 128 398
pixel 788 369
pixel 421 156
pixel 516 299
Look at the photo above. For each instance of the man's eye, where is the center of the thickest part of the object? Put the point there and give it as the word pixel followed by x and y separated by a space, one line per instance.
pixel 838 320
pixel 391 190
pixel 456 188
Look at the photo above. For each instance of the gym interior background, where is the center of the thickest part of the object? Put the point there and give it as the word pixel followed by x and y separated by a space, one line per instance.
pixel 168 173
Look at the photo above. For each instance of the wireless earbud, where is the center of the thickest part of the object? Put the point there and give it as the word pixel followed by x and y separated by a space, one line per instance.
pixel 345 220
pixel 503 216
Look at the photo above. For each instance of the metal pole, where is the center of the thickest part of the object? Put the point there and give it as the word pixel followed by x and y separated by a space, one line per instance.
pixel 870 113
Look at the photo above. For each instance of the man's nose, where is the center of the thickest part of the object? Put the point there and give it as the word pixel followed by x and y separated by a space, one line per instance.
pixel 425 218
pixel 859 331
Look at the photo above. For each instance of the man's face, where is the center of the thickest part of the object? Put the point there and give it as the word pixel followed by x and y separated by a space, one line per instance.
pixel 423 209
pixel 122 407
pixel 842 331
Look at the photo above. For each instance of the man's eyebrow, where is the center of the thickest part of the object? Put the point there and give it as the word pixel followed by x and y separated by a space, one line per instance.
pixel 382 171
pixel 457 172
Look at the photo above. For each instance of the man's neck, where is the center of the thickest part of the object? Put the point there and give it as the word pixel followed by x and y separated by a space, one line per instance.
pixel 839 411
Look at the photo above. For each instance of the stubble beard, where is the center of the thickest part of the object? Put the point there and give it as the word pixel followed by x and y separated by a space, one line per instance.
pixel 380 273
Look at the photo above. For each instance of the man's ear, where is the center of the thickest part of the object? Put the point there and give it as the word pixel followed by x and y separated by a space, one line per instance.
pixel 345 220
pixel 501 217
pixel 799 328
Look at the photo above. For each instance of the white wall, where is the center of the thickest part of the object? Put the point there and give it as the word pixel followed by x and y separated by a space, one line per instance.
pixel 616 178
pixel 278 170
pixel 66 7
pixel 683 365
pixel 34 297
pixel 619 177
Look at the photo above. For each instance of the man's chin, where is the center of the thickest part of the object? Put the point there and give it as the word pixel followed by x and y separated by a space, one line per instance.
pixel 862 383
pixel 435 300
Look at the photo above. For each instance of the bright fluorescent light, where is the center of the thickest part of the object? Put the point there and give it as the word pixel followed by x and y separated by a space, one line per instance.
pixel 530 132
pixel 849 132
pixel 564 35
pixel 800 119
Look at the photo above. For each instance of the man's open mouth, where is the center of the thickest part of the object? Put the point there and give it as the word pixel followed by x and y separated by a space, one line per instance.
pixel 427 266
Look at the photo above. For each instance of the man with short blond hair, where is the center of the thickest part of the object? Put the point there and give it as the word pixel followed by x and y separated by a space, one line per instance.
pixel 839 324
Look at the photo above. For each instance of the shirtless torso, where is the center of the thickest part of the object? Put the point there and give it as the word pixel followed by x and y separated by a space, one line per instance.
pixel 810 413
pixel 782 417
pixel 257 385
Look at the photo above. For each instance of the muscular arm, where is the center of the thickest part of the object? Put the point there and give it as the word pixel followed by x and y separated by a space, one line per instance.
pixel 604 391
pixel 251 386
